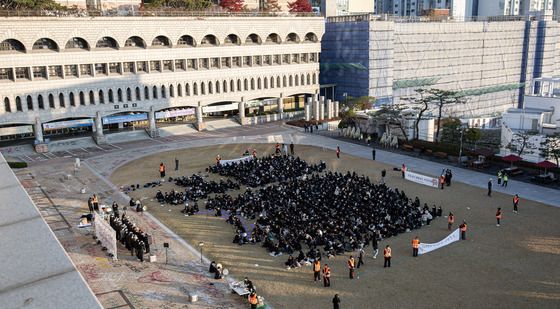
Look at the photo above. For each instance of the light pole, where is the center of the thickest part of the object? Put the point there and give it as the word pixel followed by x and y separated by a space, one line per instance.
pixel 345 95
pixel 460 144
pixel 200 245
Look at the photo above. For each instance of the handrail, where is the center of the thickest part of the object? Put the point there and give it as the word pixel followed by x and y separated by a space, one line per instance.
pixel 147 13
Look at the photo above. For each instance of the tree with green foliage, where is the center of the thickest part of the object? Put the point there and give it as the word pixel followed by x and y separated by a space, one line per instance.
pixel 451 130
pixel 391 115
pixel 550 147
pixel 442 98
pixel 421 104
pixel 30 5
pixel 473 135
pixel 359 103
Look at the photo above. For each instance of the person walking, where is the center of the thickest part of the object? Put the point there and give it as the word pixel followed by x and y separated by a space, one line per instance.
pixel 326 276
pixel 292 148
pixel 387 256
pixel 403 170
pixel 336 302
pixel 490 187
pixel 162 170
pixel 441 181
pixel 515 203
pixel 360 258
pixel 176 164
pixel 374 245
pixel 450 221
pixel 351 265
pixel 383 174
pixel 415 246
pixel 337 152
pixel 463 228
pixel 506 178
pixel 498 216
pixel 253 300
pixel 317 270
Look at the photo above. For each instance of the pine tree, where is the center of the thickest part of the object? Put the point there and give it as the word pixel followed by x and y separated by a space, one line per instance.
pixel 233 5
pixel 300 6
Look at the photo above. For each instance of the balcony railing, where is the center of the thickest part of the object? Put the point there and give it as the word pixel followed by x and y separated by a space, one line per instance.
pixel 146 13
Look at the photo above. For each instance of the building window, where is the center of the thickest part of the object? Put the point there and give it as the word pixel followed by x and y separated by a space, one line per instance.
pixel 226 62
pixel 191 64
pixel 6 74
pixel 204 63
pixel 100 69
pixel 55 71
pixel 304 58
pixel 155 66
pixel 114 68
pixel 210 88
pixel 22 73
pixel 167 65
pixel 128 67
pixel 313 57
pixel 40 102
pixel 154 92
pixel 180 65
pixel 141 66
pixel 247 61
pixel 7 106
pixel 51 101
pixel 19 108
pixel 179 90
pixel 119 95
pixel 202 88
pixel 85 70
pixel 257 60
pixel 111 98
pixel 267 60
pixel 163 92
pixel 236 61
pixel 91 98
pixel 215 63
pixel 82 98
pixel 277 59
pixel 39 72
pixel 71 70
pixel 29 103
pixel 146 93
pixel 188 89
pixel 285 59
pixel 138 96
pixel 295 58
pixel 128 94
pixel 72 99
pixel 171 91
pixel 61 100
pixel 101 97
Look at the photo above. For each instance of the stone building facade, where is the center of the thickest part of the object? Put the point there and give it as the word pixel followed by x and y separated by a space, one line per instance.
pixel 53 69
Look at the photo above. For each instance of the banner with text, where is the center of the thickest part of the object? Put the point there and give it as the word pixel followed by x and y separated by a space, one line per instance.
pixel 226 162
pixel 105 233
pixel 421 179
pixel 425 248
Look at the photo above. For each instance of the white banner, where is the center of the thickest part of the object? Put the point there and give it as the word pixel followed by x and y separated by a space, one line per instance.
pixel 225 162
pixel 421 179
pixel 220 108
pixel 105 233
pixel 453 237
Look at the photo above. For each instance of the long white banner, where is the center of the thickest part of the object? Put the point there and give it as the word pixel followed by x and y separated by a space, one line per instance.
pixel 105 233
pixel 425 248
pixel 421 179
pixel 225 162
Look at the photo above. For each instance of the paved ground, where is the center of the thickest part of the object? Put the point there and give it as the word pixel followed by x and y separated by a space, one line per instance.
pixel 45 178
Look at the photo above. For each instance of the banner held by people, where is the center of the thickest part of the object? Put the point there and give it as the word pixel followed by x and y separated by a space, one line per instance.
pixel 451 238
pixel 105 234
pixel 421 179
pixel 225 162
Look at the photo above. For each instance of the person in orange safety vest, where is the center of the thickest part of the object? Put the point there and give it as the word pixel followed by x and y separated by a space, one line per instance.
pixel 387 256
pixel 253 300
pixel 326 276
pixel 351 266
pixel 415 246
pixel 316 271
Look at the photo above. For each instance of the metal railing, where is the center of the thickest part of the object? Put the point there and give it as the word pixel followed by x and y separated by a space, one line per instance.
pixel 146 13
pixel 431 19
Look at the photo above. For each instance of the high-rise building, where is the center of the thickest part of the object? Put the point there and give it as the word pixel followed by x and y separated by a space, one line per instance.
pixel 346 7
pixel 516 7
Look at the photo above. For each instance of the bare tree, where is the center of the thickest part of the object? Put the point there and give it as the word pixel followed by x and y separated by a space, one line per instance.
pixel 550 147
pixel 520 142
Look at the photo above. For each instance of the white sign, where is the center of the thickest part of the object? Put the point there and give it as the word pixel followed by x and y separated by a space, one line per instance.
pixel 16 130
pixel 425 248
pixel 220 108
pixel 175 113
pixel 225 162
pixel 422 179
pixel 105 233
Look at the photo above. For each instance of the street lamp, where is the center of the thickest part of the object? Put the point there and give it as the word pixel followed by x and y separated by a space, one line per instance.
pixel 461 144
pixel 200 245
pixel 345 95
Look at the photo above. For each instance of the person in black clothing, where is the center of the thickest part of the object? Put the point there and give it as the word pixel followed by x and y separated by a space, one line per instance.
pixel 383 174
pixel 490 187
pixel 292 149
pixel 336 302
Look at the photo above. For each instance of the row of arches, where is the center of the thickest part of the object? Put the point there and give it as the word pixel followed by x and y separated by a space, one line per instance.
pixel 160 41
pixel 135 94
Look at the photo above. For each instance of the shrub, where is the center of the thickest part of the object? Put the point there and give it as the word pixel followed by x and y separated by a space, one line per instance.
pixel 17 164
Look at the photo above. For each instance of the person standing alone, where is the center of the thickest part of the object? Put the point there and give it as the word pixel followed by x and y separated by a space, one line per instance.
pixel 490 187
pixel 463 228
pixel 336 302
pixel 387 256
pixel 515 203
pixel 337 152
pixel 176 164
pixel 383 174
pixel 403 170
pixel 162 170
pixel 498 216
pixel 450 221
